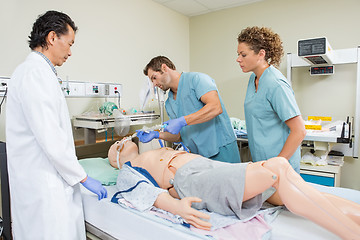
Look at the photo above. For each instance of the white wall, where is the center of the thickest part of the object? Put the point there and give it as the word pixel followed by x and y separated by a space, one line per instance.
pixel 213 45
pixel 115 40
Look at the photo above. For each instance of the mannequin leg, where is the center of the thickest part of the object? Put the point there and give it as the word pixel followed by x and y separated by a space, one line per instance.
pixel 257 180
pixel 304 200
pixel 351 209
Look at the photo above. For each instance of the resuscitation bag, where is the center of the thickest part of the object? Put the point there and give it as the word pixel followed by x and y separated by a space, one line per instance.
pixel 107 108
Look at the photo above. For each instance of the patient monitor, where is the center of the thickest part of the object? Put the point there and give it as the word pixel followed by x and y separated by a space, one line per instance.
pixel 315 51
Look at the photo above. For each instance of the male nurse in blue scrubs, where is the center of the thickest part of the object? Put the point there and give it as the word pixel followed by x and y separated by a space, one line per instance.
pixel 197 114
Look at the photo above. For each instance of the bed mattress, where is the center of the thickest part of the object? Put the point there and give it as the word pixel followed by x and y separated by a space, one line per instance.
pixel 120 223
pixel 115 222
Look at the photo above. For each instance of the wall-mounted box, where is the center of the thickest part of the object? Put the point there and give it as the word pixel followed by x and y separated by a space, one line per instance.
pixel 90 89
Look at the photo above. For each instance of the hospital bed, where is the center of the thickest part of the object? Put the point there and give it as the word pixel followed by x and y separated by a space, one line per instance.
pixel 109 221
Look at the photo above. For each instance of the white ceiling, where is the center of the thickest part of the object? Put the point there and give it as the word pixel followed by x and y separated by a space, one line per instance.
pixel 197 7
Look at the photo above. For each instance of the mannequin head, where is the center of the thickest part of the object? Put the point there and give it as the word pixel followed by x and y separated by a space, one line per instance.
pixel 125 148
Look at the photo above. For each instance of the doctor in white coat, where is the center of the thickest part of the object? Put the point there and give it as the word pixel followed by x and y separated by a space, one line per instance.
pixel 44 172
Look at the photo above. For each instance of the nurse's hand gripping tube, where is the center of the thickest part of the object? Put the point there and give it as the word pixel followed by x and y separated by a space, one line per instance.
pixel 174 126
pixel 147 136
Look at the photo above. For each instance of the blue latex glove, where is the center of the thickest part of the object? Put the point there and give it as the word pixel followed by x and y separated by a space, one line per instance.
pixel 95 186
pixel 147 136
pixel 175 125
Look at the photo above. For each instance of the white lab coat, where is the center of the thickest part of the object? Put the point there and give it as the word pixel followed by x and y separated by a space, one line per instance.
pixel 44 173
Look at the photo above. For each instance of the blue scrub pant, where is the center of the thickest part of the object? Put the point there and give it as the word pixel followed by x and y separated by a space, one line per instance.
pixel 228 153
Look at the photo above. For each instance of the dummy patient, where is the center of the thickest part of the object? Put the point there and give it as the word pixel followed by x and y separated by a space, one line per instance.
pixel 186 182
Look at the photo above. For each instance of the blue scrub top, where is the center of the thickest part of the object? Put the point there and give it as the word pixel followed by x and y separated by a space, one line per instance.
pixel 266 112
pixel 204 138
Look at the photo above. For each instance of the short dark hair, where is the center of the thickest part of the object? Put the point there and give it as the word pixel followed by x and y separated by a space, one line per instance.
pixel 156 62
pixel 49 21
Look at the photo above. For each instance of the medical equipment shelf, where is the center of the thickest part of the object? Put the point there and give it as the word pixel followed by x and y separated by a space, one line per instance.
pixel 341 56
pixel 324 175
pixel 109 122
pixel 320 138
pixel 92 124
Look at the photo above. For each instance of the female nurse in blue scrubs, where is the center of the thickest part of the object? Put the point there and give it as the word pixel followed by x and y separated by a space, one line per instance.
pixel 273 119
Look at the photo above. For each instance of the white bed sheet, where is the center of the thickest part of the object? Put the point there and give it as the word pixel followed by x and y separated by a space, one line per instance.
pixel 121 223
pixel 290 226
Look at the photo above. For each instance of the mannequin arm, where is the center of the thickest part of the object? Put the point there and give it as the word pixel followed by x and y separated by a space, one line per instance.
pixel 183 208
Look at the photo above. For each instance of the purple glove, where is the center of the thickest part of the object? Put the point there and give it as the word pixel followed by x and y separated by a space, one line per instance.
pixel 147 136
pixel 95 186
pixel 175 125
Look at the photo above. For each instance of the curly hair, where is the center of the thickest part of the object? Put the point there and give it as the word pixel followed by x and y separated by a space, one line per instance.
pixel 263 38
pixel 156 62
pixel 49 21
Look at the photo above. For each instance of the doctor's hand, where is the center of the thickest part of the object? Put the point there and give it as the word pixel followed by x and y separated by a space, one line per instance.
pixel 191 215
pixel 147 136
pixel 95 186
pixel 175 125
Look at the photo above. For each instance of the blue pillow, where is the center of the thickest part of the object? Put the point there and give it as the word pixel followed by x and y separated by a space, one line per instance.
pixel 100 169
